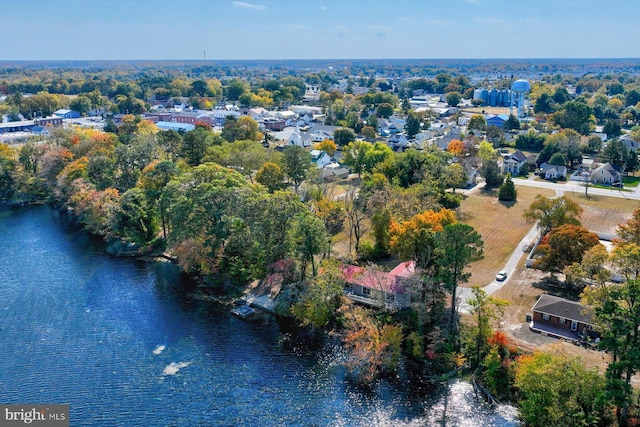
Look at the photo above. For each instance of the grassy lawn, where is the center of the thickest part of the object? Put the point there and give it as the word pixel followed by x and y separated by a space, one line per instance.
pixel 603 213
pixel 501 227
pixel 631 181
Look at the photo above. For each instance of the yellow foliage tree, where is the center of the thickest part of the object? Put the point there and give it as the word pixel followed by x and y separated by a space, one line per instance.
pixel 413 239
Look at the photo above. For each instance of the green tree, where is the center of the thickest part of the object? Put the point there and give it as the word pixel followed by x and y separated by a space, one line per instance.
pixel 557 390
pixel 491 174
pixel 456 176
pixel 296 164
pixel 553 212
pixel 271 176
pixel 544 104
pixel 134 218
pixel 512 123
pixel 612 128
pixel 384 110
pixel 355 155
pixel 245 156
pixel 614 152
pixel 477 122
pixel 575 115
pixel 457 245
pixel 453 99
pixel 486 309
pixel 171 142
pixel 195 144
pixel 412 126
pixel 343 136
pixel 558 160
pixel 243 128
pixel 618 316
pixel 307 238
pixel 235 89
pixel 530 141
pixel 81 104
pixel 322 296
pixel 507 191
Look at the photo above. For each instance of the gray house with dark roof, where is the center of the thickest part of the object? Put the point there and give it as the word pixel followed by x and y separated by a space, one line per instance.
pixel 562 318
pixel 606 174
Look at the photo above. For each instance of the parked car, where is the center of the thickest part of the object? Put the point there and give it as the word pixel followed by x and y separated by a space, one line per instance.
pixel 501 276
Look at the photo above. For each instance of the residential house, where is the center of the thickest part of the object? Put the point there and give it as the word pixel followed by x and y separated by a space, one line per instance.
pixel 320 158
pixel 562 318
pixel 398 142
pixel 334 172
pixel 629 142
pixel 553 172
pixel 376 288
pixel 473 174
pixel 606 174
pixel 319 133
pixel 40 130
pixel 513 162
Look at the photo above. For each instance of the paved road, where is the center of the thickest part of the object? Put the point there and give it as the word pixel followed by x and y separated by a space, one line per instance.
pixel 464 294
pixel 577 187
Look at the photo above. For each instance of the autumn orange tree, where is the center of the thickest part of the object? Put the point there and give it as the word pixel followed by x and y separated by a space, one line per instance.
pixel 373 348
pixel 563 246
pixel 455 147
pixel 414 239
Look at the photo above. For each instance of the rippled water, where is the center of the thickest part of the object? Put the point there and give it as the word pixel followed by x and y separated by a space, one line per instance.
pixel 123 344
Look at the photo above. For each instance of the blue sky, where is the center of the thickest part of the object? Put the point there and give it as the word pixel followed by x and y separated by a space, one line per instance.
pixel 323 29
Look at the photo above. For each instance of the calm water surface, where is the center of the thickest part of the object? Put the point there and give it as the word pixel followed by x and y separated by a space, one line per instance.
pixel 123 344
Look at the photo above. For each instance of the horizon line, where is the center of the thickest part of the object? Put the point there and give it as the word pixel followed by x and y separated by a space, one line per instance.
pixel 327 59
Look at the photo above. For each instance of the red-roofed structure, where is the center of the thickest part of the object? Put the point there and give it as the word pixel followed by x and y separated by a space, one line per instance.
pixel 377 288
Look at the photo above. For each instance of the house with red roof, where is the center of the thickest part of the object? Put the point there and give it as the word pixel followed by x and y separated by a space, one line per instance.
pixel 376 288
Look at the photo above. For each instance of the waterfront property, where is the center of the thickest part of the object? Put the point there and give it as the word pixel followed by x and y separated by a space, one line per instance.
pixel 377 288
pixel 562 318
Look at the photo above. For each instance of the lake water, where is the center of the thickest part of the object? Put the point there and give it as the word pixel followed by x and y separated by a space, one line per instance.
pixel 122 343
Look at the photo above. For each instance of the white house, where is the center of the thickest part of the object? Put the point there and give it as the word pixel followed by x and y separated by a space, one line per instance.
pixel 553 171
pixel 320 158
pixel 514 162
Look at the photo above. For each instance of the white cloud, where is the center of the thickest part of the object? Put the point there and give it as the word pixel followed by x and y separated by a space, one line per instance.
pixel 405 20
pixel 324 8
pixel 473 1
pixel 243 5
